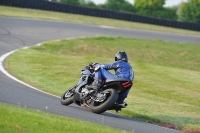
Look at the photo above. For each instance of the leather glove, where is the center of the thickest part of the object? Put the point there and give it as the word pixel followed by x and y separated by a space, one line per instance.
pixel 92 64
pixel 96 68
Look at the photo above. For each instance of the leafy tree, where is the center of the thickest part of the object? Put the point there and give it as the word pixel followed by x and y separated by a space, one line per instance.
pixel 88 4
pixel 91 4
pixel 154 8
pixel 148 7
pixel 119 5
pixel 82 1
pixel 169 13
pixel 156 4
pixel 190 11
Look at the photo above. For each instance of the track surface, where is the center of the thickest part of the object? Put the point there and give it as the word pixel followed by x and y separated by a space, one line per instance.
pixel 17 33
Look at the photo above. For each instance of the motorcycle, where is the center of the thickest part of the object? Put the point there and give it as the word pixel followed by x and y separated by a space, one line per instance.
pixel 98 101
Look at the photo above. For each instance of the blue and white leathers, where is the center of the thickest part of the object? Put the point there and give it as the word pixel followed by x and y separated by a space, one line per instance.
pixel 122 70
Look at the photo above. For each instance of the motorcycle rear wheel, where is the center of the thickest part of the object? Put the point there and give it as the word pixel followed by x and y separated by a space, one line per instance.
pixel 68 97
pixel 97 107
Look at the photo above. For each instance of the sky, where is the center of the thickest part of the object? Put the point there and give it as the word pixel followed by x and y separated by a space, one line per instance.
pixel 168 3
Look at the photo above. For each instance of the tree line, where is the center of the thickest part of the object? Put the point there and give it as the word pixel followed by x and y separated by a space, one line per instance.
pixel 186 11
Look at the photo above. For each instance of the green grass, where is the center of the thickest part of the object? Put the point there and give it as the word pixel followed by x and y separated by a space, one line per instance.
pixel 167 74
pixel 30 13
pixel 20 120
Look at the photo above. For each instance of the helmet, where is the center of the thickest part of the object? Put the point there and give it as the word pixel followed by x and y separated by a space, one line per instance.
pixel 121 56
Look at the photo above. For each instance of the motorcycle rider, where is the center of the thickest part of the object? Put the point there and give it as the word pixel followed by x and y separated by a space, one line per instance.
pixel 122 70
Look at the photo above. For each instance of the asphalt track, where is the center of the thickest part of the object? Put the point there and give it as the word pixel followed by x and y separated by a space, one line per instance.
pixel 16 33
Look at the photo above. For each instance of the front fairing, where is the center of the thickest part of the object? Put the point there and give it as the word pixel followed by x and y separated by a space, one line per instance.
pixel 86 78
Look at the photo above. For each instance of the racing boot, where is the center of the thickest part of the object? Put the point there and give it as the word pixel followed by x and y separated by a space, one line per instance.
pixel 118 107
pixel 96 84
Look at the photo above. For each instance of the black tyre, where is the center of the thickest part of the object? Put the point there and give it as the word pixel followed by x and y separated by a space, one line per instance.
pixel 111 98
pixel 67 97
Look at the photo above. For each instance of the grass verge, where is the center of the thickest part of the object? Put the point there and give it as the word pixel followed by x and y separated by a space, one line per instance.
pixel 20 120
pixel 166 87
pixel 30 13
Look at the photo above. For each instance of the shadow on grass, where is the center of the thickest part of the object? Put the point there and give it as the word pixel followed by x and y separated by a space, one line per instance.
pixel 173 122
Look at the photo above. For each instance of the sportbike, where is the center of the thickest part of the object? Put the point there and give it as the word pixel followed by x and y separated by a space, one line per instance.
pixel 99 100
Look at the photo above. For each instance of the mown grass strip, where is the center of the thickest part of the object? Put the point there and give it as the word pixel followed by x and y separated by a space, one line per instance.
pixel 166 87
pixel 30 13
pixel 21 120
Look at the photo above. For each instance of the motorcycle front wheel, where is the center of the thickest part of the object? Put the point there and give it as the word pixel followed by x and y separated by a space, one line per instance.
pixel 67 97
pixel 100 107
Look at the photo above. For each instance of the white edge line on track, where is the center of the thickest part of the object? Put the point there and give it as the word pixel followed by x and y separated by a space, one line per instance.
pixel 3 57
